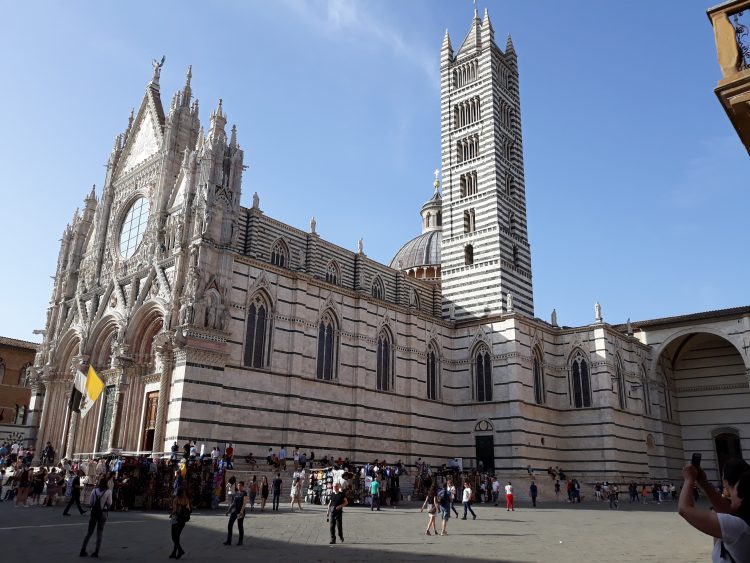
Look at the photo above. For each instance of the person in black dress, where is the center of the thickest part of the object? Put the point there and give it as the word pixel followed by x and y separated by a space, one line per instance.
pixel 238 514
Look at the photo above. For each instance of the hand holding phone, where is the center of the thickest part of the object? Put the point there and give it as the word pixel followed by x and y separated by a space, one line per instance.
pixel 696 460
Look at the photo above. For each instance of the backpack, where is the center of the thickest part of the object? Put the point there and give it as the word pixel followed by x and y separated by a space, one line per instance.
pixel 97 512
pixel 442 494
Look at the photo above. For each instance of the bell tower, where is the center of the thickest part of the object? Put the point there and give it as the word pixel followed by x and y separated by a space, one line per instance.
pixel 485 249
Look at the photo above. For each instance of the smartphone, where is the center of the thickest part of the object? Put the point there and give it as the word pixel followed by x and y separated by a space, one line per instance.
pixel 696 460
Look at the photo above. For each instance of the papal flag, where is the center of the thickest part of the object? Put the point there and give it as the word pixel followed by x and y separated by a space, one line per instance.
pixel 79 390
pixel 94 388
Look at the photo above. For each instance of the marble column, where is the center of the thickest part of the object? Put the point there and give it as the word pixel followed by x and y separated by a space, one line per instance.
pixel 163 355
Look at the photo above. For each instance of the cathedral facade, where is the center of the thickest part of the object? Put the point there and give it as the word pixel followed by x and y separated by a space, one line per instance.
pixel 213 322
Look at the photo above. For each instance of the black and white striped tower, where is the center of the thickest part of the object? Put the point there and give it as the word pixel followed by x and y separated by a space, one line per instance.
pixel 485 248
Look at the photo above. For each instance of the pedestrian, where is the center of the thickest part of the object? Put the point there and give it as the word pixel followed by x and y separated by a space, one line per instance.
pixel 237 513
pixel 229 455
pixel 614 497
pixel 375 494
pixel 533 491
pixel 467 501
pixel 509 497
pixel 296 493
pixel 277 482
pixel 336 505
pixel 263 493
pixel 495 490
pixel 444 498
pixel 101 500
pixel 231 489
pixel 253 492
pixel 179 516
pixel 557 489
pixel 432 508
pixel 282 457
pixel 74 482
pixel 452 489
pixel 52 486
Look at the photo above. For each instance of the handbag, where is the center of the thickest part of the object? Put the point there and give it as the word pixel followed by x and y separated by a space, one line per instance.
pixel 183 514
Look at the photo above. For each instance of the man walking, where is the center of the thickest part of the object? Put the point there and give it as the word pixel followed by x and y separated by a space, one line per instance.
pixel 467 501
pixel 75 493
pixel 533 491
pixel 276 487
pixel 336 506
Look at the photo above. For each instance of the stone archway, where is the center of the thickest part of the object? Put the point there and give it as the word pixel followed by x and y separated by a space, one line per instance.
pixel 705 388
pixel 484 442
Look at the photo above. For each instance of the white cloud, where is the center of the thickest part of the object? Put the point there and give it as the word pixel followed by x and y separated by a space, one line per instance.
pixel 348 19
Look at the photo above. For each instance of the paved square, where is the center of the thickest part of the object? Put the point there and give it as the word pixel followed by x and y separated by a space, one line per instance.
pixel 554 532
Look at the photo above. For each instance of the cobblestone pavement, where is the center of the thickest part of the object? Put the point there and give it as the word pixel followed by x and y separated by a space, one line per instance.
pixel 550 533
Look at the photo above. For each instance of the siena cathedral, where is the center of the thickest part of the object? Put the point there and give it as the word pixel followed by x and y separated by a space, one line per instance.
pixel 214 322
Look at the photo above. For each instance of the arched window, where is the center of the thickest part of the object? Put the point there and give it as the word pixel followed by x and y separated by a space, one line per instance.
pixel 646 392
pixel 327 347
pixel 413 299
pixel 433 373
pixel 378 289
pixel 482 366
pixel 385 361
pixel 468 255
pixel 280 254
pixel 512 223
pixel 581 382
pixel 2 370
pixel 621 388
pixel 332 273
pixel 538 373
pixel 256 335
pixel 23 377
pixel 668 401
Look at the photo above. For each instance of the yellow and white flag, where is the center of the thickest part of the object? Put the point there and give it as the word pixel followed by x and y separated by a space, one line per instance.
pixel 94 388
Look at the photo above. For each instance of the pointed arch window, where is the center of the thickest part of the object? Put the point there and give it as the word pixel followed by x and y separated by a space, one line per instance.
pixel 280 254
pixel 256 334
pixel 384 361
pixel 482 366
pixel 538 373
pixel 413 299
pixel 668 412
pixel 646 392
pixel 433 373
pixel 621 387
pixel 333 274
pixel 327 347
pixel 581 381
pixel 378 289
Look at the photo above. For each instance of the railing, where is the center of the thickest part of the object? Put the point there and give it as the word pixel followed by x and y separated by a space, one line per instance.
pixel 731 22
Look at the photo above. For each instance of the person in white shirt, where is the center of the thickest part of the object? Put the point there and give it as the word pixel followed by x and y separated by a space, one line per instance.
pixel 282 457
pixel 467 501
pixel 101 500
pixel 509 497
pixel 729 521
pixel 495 490
pixel 452 489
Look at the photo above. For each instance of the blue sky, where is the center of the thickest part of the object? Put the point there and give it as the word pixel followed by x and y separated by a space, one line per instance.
pixel 637 185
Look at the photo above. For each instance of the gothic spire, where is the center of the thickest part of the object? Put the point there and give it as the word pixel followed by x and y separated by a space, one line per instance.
pixel 186 91
pixel 509 45
pixel 233 137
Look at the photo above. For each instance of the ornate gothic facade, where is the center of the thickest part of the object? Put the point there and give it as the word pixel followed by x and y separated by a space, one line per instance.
pixel 215 322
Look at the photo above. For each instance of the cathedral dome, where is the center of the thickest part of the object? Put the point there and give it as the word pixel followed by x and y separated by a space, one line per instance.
pixel 420 257
pixel 422 250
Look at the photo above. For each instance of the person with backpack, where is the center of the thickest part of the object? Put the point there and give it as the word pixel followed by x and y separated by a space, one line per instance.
pixel 729 519
pixel 179 516
pixel 101 500
pixel 238 514
pixel 444 500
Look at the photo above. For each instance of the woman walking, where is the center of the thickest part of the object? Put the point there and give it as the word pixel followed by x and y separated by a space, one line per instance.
pixel 253 492
pixel 263 493
pixel 296 492
pixel 181 510
pixel 101 500
pixel 237 514
pixel 432 508
pixel 52 487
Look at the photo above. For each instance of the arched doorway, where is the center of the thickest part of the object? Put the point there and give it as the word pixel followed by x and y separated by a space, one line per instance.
pixel 704 391
pixel 484 442
pixel 727 444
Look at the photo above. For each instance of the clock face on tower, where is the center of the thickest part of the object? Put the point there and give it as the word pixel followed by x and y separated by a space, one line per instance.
pixel 133 227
